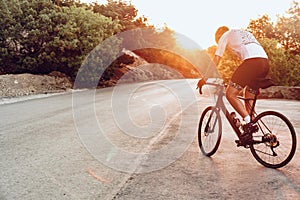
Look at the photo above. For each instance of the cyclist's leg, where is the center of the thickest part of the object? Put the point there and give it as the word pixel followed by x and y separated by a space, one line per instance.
pixel 249 93
pixel 232 92
pixel 236 85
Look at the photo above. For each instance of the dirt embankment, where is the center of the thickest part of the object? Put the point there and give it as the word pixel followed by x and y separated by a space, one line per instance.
pixel 140 70
pixel 28 84
pixel 16 85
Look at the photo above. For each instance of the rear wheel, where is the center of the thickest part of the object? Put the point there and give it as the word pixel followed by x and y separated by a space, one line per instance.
pixel 275 142
pixel 209 131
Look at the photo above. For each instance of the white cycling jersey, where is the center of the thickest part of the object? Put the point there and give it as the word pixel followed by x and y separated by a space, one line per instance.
pixel 242 43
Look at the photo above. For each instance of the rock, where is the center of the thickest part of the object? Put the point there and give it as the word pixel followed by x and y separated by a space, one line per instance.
pixel 281 92
pixel 145 72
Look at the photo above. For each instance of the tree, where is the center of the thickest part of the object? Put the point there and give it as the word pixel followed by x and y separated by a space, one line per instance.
pixel 287 29
pixel 69 3
pixel 27 27
pixel 7 44
pixel 39 36
pixel 262 27
pixel 124 13
pixel 82 31
pixel 278 60
pixel 285 67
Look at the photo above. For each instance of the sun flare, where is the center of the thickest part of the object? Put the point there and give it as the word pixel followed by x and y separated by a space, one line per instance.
pixel 186 43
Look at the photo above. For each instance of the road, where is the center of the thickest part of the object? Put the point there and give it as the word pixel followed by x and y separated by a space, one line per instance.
pixel 134 141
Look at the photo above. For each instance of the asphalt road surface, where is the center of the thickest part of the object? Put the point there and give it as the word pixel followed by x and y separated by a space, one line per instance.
pixel 134 141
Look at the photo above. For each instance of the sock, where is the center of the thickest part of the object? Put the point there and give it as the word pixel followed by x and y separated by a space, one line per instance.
pixel 247 119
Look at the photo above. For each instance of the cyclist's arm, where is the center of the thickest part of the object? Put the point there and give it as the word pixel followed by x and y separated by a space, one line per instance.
pixel 216 60
pixel 212 67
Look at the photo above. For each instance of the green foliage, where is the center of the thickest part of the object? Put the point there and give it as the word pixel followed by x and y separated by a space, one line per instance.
pixel 285 67
pixel 68 3
pixel 262 27
pixel 124 13
pixel 97 62
pixel 228 65
pixel 287 29
pixel 81 33
pixel 38 36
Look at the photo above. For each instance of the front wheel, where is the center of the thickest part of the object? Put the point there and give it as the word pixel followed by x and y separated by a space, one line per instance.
pixel 209 131
pixel 275 142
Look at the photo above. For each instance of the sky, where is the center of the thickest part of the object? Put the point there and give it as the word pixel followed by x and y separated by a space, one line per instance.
pixel 199 19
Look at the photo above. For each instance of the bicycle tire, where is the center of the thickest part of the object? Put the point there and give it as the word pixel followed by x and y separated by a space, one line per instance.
pixel 278 125
pixel 213 138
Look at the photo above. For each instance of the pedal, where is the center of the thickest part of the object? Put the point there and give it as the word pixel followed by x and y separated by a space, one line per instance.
pixel 250 128
pixel 241 144
pixel 238 143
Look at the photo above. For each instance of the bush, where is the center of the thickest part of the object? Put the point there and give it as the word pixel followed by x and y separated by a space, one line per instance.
pixel 285 67
pixel 38 36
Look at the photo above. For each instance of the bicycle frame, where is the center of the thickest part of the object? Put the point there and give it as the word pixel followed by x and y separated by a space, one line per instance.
pixel 220 105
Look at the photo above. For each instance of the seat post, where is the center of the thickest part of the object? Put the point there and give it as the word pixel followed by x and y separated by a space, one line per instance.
pixel 252 109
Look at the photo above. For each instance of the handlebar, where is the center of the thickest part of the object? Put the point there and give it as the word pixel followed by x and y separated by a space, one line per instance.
pixel 214 84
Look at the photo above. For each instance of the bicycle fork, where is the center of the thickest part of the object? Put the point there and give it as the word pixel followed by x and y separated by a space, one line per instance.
pixel 208 128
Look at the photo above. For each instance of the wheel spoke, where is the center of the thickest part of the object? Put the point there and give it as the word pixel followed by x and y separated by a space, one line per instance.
pixel 264 152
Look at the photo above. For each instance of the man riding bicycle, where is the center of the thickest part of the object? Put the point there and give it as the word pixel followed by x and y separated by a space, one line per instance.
pixel 255 66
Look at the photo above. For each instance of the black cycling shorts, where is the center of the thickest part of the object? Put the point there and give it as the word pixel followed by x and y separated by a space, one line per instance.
pixel 247 73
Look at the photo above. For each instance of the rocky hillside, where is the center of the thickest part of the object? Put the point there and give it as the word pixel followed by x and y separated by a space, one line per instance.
pixel 140 70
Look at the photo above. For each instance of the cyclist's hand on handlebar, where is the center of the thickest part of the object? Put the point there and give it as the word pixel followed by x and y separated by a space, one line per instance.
pixel 200 84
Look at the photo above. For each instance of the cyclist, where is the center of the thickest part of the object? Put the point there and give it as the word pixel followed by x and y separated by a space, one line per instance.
pixel 255 65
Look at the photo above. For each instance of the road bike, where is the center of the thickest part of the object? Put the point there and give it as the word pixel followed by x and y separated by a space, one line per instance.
pixel 273 144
